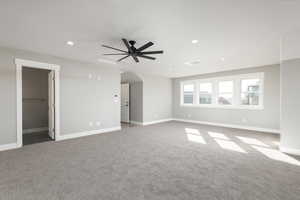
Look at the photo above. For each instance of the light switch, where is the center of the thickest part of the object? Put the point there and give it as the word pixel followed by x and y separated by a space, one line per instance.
pixel 116 98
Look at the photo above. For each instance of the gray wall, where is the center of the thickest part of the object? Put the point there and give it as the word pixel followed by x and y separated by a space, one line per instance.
pixel 82 100
pixel 267 118
pixel 136 101
pixel 151 96
pixel 290 104
pixel 157 103
pixel 35 98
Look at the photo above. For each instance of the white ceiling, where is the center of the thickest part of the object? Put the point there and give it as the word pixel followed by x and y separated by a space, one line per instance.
pixel 245 33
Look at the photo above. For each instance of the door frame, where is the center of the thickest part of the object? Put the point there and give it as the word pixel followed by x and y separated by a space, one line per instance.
pixel 20 63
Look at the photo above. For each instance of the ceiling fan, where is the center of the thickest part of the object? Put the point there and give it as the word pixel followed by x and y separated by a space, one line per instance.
pixel 133 51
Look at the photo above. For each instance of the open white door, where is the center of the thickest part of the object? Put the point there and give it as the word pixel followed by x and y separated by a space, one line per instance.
pixel 51 106
pixel 125 103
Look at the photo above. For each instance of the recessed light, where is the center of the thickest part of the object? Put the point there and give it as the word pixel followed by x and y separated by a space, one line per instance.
pixel 70 43
pixel 195 41
pixel 223 59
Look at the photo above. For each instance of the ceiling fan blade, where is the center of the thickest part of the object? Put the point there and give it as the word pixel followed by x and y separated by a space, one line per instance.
pixel 114 48
pixel 122 58
pixel 151 52
pixel 110 54
pixel 147 57
pixel 135 58
pixel 145 46
pixel 127 45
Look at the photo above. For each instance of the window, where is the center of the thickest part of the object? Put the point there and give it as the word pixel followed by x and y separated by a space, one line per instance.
pixel 241 91
pixel 188 93
pixel 225 93
pixel 205 93
pixel 250 91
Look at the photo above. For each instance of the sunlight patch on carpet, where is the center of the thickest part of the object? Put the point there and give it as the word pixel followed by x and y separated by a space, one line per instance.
pixel 230 145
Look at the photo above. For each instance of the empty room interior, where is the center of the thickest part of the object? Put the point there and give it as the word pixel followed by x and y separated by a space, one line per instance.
pixel 158 100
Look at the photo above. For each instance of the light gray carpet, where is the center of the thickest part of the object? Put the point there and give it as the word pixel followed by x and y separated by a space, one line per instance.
pixel 154 162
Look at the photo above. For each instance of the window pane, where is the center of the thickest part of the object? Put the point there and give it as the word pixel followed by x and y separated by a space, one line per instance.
pixel 225 86
pixel 205 98
pixel 250 85
pixel 188 93
pixel 225 99
pixel 225 92
pixel 205 93
pixel 250 98
pixel 205 87
pixel 188 88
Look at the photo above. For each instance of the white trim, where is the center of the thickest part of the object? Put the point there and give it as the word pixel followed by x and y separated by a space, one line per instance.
pixel 35 130
pixel 20 63
pixel 244 107
pixel 157 121
pixel 57 102
pixel 34 64
pixel 19 106
pixel 5 147
pixel 290 151
pixel 251 128
pixel 87 133
pixel 137 123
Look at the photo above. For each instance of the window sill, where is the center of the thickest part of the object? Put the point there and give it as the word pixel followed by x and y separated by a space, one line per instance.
pixel 224 107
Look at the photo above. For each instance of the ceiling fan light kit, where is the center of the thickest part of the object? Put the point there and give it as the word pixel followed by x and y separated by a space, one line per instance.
pixel 132 51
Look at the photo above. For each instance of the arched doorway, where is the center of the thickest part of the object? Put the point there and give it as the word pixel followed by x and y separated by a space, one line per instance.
pixel 131 99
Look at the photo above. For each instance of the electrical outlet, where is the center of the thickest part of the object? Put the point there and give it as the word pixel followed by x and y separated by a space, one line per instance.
pixel 91 124
pixel 98 123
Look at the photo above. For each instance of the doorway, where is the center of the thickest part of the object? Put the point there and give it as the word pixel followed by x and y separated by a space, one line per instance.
pixel 131 99
pixel 125 103
pixel 37 102
pixel 37 114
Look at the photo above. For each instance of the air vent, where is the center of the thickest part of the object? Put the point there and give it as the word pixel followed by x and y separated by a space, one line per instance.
pixel 195 62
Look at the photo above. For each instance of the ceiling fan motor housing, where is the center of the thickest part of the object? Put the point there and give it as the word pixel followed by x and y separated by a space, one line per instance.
pixel 132 42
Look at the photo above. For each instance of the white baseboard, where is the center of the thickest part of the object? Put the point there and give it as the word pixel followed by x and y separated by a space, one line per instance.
pixel 5 147
pixel 290 151
pixel 251 128
pixel 35 130
pixel 87 133
pixel 137 123
pixel 157 121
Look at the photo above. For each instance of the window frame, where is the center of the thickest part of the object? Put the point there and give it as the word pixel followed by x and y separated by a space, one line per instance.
pixel 198 91
pixel 182 92
pixel 237 91
pixel 218 93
